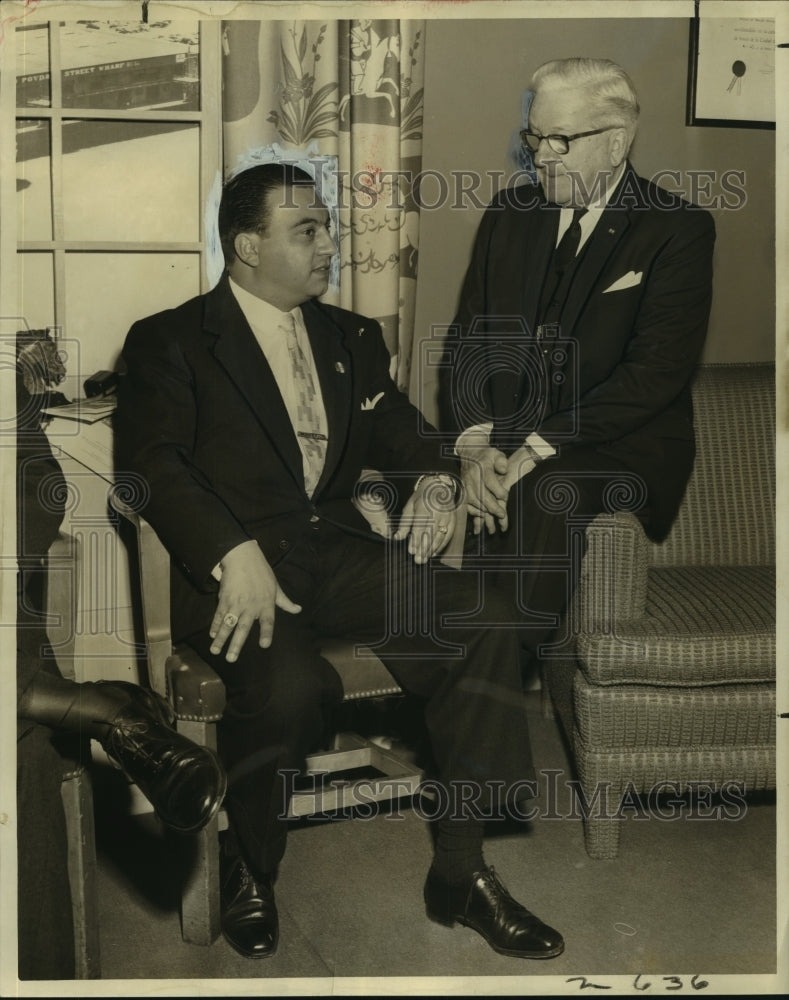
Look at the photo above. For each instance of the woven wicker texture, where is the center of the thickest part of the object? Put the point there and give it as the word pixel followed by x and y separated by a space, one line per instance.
pixel 606 775
pixel 728 513
pixel 703 625
pixel 643 770
pixel 640 717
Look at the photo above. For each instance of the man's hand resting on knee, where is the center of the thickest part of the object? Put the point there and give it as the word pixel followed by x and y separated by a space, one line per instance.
pixel 248 592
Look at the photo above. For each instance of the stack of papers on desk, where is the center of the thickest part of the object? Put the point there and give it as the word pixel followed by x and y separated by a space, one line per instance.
pixel 87 411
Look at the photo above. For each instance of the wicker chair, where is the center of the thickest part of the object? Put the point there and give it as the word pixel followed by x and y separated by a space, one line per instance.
pixel 673 674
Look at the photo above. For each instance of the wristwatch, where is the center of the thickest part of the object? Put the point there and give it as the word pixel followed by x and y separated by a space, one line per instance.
pixel 445 479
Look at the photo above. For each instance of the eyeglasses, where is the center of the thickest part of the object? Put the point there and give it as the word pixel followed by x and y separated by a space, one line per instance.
pixel 559 143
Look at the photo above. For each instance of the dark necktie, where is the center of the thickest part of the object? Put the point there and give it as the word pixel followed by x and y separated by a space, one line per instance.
pixel 560 271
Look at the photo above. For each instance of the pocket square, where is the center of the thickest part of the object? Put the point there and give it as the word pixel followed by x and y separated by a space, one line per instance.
pixel 626 281
pixel 370 404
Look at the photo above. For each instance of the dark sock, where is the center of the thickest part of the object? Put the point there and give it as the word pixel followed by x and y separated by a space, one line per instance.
pixel 458 851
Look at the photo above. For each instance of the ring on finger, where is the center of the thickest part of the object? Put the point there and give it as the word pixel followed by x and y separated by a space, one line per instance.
pixel 230 620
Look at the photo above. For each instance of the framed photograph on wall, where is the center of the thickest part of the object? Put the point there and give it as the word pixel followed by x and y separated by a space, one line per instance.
pixel 731 72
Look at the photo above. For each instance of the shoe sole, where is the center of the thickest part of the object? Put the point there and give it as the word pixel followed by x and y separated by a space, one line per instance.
pixel 509 952
pixel 245 954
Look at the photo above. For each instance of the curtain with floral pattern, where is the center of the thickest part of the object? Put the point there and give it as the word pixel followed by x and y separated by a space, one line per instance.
pixel 349 96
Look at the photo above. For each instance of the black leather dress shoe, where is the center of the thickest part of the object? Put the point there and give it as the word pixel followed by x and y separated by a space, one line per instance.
pixel 184 782
pixel 486 906
pixel 249 913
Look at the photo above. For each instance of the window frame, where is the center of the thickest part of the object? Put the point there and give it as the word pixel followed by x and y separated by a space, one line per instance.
pixel 207 118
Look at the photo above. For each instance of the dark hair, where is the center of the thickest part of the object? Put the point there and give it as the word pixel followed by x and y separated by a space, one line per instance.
pixel 244 205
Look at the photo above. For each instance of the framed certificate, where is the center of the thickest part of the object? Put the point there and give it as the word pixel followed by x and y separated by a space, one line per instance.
pixel 731 72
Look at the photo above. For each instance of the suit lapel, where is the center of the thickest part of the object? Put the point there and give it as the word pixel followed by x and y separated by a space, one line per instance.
pixel 335 373
pixel 238 352
pixel 529 248
pixel 611 227
pixel 541 242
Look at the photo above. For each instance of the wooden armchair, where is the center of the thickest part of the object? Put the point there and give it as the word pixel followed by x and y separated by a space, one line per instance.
pixel 198 697
pixel 671 677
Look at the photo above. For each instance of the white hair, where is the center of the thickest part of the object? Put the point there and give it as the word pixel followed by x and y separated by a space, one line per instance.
pixel 610 92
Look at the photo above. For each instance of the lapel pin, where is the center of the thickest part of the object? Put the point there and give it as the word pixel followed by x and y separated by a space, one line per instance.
pixel 611 232
pixel 361 330
pixel 339 367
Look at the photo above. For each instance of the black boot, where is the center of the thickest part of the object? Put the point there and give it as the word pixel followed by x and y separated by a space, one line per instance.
pixel 184 782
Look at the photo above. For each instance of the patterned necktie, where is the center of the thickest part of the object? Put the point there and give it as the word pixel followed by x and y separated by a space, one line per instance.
pixel 560 271
pixel 307 422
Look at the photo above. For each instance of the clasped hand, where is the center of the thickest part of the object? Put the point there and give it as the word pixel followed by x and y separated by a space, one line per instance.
pixel 483 470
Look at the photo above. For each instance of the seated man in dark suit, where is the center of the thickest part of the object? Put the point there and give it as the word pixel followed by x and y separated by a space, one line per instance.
pixel 581 321
pixel 250 412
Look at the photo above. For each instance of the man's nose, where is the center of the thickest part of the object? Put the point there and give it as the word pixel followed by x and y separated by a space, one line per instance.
pixel 545 154
pixel 327 244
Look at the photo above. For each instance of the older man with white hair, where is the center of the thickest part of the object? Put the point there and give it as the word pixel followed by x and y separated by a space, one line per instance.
pixel 581 321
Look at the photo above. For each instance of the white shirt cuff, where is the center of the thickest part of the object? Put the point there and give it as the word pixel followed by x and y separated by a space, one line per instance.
pixel 540 446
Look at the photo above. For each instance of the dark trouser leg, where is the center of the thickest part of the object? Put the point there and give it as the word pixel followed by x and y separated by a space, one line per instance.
pixel 279 703
pixel 538 559
pixel 450 639
pixel 46 931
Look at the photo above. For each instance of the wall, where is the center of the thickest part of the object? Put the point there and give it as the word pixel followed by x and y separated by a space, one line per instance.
pixel 475 73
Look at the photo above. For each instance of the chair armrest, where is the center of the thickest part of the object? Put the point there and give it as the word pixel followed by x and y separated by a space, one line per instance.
pixel 198 693
pixel 613 583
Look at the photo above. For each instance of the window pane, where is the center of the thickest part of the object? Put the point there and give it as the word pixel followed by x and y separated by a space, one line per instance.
pixel 32 66
pixel 35 289
pixel 107 292
pixel 128 64
pixel 33 182
pixel 131 181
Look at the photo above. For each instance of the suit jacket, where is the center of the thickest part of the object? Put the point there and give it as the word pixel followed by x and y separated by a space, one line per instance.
pixel 618 377
pixel 207 451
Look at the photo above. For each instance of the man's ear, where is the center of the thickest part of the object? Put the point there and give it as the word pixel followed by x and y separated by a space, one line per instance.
pixel 246 246
pixel 617 148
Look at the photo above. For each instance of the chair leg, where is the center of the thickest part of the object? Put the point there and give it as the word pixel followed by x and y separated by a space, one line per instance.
pixel 601 837
pixel 602 793
pixel 200 909
pixel 77 795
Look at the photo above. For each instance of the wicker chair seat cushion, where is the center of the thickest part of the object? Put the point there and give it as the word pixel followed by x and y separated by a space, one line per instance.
pixel 703 625
pixel 639 716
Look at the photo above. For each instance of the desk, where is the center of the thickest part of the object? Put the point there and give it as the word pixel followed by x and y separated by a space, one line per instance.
pixel 103 626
